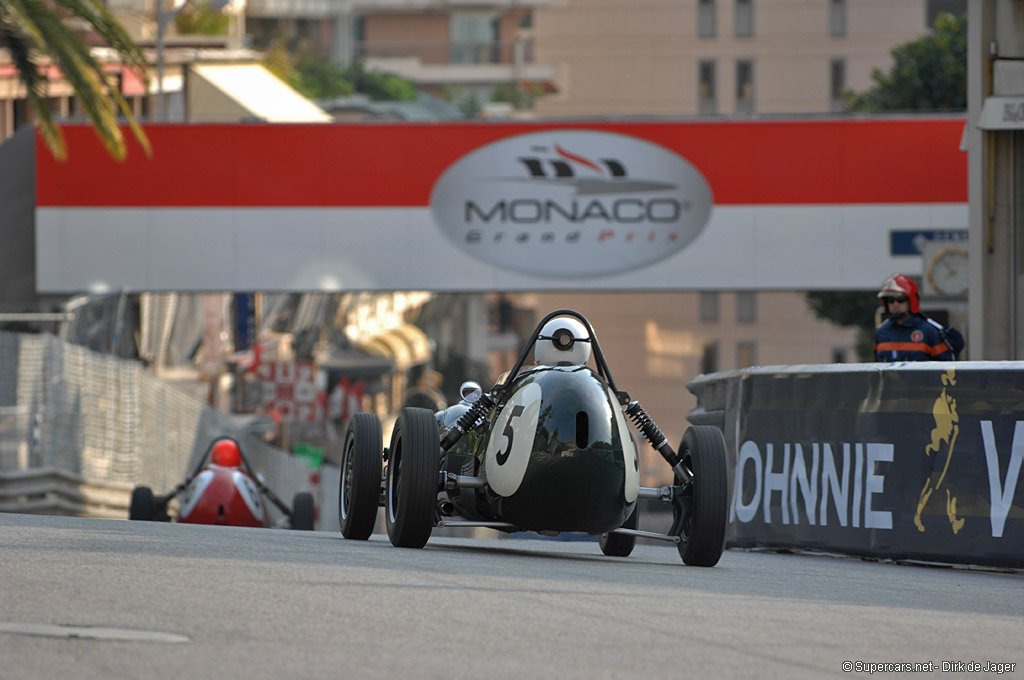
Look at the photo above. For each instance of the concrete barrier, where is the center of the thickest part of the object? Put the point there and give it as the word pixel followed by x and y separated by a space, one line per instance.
pixel 899 461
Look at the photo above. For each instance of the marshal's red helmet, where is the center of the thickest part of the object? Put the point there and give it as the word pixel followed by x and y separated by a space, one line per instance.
pixel 226 454
pixel 897 285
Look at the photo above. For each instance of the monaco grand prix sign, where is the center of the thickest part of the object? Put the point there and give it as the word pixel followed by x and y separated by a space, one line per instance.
pixel 571 203
pixel 795 204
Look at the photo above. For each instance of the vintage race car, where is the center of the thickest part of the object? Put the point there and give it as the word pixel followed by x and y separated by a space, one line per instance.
pixel 548 449
pixel 223 489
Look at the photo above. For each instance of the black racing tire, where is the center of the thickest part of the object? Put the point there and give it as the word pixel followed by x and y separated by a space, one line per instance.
pixel 303 511
pixel 702 530
pixel 621 545
pixel 142 506
pixel 361 468
pixel 412 478
pixel 160 504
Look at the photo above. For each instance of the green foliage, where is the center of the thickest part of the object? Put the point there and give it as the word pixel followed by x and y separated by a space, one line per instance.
pixel 316 78
pixel 850 309
pixel 319 79
pixel 35 32
pixel 520 95
pixel 199 18
pixel 278 61
pixel 468 103
pixel 928 74
pixel 380 86
pixel 844 307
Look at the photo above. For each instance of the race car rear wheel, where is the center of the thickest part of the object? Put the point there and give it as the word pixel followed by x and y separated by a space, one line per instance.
pixel 621 545
pixel 303 511
pixel 702 508
pixel 359 492
pixel 412 478
pixel 141 506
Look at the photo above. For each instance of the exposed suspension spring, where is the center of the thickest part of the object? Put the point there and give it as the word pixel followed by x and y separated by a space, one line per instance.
pixel 650 430
pixel 465 423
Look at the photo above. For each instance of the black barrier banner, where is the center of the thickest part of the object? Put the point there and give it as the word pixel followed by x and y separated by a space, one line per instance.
pixel 918 464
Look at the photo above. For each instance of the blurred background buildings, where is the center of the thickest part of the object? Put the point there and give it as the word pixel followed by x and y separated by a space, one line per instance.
pixel 551 59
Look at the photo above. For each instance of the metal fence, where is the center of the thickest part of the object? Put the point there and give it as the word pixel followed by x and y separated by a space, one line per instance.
pixel 79 429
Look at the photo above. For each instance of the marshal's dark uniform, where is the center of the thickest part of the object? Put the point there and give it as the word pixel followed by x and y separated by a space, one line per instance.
pixel 909 335
pixel 916 338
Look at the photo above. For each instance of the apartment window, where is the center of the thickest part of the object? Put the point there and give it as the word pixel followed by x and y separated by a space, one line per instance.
pixel 474 38
pixel 22 113
pixel 837 84
pixel 709 305
pixel 837 18
pixel 360 51
pixel 706 96
pixel 744 19
pixel 746 354
pixel 744 86
pixel 77 112
pixel 706 21
pixel 746 306
pixel 709 358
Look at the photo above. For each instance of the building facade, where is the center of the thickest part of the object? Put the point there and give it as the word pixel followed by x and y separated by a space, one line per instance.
pixel 719 57
pixel 608 58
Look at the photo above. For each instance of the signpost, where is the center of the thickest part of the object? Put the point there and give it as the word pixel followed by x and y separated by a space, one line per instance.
pixel 289 389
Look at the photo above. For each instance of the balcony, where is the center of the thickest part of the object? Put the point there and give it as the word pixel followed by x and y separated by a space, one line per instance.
pixel 466 62
pixel 331 8
pixel 447 5
pixel 304 9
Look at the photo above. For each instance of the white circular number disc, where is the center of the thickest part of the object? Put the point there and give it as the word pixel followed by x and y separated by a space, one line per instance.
pixel 511 443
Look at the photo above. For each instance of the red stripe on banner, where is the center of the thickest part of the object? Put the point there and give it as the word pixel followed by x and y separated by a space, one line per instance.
pixel 791 162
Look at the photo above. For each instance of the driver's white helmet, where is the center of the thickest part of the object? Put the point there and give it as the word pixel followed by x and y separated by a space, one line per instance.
pixel 564 341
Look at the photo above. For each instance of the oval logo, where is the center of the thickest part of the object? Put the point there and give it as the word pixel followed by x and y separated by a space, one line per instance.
pixel 511 444
pixel 571 203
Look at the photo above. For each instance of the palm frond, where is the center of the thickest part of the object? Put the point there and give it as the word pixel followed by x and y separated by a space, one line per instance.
pixel 45 31
pixel 35 87
pixel 97 15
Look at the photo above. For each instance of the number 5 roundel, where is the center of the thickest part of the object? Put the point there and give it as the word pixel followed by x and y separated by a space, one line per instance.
pixel 508 451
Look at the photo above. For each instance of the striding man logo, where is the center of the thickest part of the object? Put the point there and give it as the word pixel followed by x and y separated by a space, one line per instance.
pixel 943 441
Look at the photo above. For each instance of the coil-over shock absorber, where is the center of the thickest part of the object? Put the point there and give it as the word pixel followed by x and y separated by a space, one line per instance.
pixel 653 434
pixel 467 421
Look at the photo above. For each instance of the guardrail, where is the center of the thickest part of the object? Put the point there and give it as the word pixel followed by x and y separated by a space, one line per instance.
pixel 79 430
pixel 52 491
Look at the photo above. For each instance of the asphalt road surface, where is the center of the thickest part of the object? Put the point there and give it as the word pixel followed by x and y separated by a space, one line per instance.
pixel 84 598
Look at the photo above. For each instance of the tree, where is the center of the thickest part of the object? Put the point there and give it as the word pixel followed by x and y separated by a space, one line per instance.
pixel 380 86
pixel 34 30
pixel 314 77
pixel 200 17
pixel 928 74
pixel 850 309
pixel 519 95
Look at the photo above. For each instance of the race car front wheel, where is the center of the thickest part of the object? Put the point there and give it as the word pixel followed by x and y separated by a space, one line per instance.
pixel 142 506
pixel 621 545
pixel 359 492
pixel 411 481
pixel 701 510
pixel 303 511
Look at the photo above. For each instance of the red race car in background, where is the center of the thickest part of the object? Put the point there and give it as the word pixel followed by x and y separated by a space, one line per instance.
pixel 223 489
